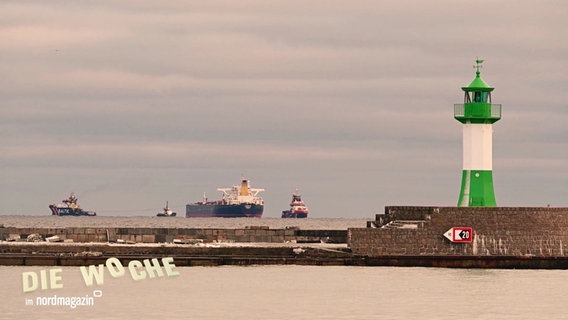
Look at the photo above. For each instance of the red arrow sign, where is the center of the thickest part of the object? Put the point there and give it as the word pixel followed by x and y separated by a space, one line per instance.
pixel 459 234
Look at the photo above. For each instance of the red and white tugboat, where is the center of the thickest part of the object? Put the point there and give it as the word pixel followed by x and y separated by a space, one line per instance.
pixel 297 209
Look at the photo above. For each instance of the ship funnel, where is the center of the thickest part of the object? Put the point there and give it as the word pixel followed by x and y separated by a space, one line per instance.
pixel 244 188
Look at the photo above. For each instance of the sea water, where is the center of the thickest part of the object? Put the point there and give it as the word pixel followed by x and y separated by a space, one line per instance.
pixel 48 221
pixel 276 292
pixel 295 292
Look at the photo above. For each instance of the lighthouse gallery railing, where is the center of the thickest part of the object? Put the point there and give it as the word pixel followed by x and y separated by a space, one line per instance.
pixel 459 110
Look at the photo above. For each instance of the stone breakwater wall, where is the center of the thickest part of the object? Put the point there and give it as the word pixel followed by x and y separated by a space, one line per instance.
pixel 526 232
pixel 83 254
pixel 169 235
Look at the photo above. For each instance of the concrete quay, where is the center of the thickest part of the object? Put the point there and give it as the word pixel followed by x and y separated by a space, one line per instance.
pixel 218 254
pixel 255 245
pixel 212 254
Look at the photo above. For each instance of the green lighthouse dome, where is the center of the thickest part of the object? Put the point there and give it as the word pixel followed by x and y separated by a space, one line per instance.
pixel 478 84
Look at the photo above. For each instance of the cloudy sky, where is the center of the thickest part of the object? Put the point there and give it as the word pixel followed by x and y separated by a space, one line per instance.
pixel 134 103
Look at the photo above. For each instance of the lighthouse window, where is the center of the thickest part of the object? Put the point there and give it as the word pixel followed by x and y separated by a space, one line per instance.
pixel 477 96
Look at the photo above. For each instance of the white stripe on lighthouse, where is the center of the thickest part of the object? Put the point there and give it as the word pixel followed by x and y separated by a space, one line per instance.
pixel 477 146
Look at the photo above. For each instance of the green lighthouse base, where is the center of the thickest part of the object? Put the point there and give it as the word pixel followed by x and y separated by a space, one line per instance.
pixel 477 189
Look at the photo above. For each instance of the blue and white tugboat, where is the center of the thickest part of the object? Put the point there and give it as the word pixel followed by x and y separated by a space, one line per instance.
pixel 69 207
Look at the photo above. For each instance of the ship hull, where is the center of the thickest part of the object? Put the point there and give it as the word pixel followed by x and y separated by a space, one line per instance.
pixel 56 211
pixel 166 215
pixel 223 211
pixel 294 215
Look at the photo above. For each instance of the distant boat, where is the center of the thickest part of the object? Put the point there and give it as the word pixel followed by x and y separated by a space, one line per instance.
pixel 69 207
pixel 167 212
pixel 297 209
pixel 240 201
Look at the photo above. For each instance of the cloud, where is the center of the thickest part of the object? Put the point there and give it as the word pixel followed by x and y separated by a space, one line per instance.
pixel 316 94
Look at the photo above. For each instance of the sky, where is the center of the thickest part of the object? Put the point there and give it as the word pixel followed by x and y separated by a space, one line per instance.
pixel 130 104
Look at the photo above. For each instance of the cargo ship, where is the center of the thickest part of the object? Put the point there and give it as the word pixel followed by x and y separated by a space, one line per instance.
pixel 167 212
pixel 297 209
pixel 240 201
pixel 69 207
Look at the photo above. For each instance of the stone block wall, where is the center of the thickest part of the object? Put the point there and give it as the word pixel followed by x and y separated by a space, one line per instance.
pixel 499 231
pixel 167 235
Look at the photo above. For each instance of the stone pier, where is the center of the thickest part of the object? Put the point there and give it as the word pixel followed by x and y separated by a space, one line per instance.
pixel 498 232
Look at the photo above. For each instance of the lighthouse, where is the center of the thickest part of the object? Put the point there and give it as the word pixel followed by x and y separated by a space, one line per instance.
pixel 477 114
